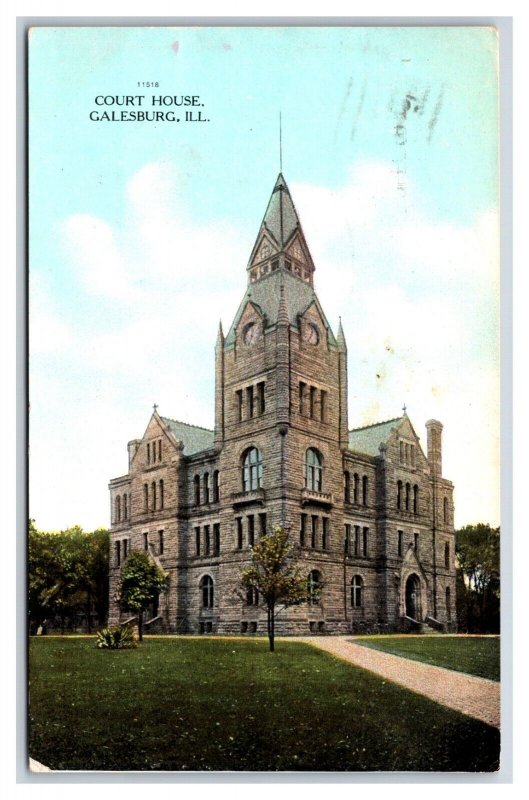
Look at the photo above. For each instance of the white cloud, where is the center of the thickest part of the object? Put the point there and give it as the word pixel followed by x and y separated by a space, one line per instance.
pixel 48 333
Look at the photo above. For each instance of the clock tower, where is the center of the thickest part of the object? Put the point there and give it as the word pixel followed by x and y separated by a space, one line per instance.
pixel 281 400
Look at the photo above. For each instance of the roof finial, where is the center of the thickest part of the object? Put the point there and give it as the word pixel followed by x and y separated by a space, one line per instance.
pixel 155 406
pixel 404 409
pixel 280 146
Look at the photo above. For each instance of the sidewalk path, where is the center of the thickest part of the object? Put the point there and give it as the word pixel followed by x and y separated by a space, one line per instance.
pixel 476 697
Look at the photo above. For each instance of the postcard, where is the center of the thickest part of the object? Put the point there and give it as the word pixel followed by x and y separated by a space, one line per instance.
pixel 264 390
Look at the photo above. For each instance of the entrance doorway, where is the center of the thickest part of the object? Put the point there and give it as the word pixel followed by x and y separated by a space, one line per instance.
pixel 413 597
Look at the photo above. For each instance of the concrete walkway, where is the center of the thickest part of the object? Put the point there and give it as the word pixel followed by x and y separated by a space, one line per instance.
pixel 475 697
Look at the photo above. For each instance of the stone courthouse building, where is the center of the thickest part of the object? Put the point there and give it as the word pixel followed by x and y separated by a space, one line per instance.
pixel 369 511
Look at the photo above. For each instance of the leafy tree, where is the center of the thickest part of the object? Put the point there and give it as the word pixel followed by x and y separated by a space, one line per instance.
pixel 67 574
pixel 140 584
pixel 478 578
pixel 274 577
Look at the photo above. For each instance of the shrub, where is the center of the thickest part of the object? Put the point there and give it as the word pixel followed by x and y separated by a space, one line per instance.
pixel 119 637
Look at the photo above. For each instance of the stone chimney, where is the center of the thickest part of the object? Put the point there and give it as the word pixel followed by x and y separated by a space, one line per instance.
pixel 434 430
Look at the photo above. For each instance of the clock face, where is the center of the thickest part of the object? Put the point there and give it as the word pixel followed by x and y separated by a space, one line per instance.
pixel 311 333
pixel 250 333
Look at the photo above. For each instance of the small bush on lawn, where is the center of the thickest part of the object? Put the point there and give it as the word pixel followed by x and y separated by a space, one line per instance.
pixel 119 637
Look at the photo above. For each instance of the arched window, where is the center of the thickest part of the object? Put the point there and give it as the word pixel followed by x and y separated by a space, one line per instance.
pixel 125 507
pixel 252 597
pixel 447 556
pixel 314 587
pixel 415 499
pixel 206 487
pixel 145 497
pixel 153 491
pixel 347 486
pixel 252 470
pixel 161 494
pixel 206 591
pixel 216 486
pixel 196 489
pixel 313 470
pixel 118 509
pixel 445 509
pixel 364 490
pixel 357 589
pixel 356 480
pixel 399 494
pixel 448 604
pixel 402 452
pixel 407 501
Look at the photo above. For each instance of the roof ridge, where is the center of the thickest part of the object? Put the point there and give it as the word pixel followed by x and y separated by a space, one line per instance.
pixel 374 425
pixel 189 424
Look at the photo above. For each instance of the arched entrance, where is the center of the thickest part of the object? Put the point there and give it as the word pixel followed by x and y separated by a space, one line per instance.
pixel 413 597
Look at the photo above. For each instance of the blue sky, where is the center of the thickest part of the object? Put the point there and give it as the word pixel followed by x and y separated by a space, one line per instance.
pixel 140 233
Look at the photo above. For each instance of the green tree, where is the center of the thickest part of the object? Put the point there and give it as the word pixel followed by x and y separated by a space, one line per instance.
pixel 478 585
pixel 67 575
pixel 273 576
pixel 140 584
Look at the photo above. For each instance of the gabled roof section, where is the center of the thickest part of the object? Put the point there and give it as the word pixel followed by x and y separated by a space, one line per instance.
pixel 193 437
pixel 266 295
pixel 367 440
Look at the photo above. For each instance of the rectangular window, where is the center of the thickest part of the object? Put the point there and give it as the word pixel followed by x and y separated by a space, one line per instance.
pixel 145 541
pixel 125 548
pixel 416 541
pixel 314 531
pixel 118 553
pixel 145 497
pixel 216 538
pixel 148 453
pixel 400 542
pixel 364 542
pixel 357 540
pixel 262 525
pixel 302 527
pixel 207 543
pixel 249 402
pixel 160 542
pixel 239 533
pixel 239 404
pixel 159 449
pixel 302 388
pixel 325 534
pixel 312 402
pixel 323 406
pixel 251 530
pixel 197 541
pixel 161 494
pixel 261 397
pixel 347 543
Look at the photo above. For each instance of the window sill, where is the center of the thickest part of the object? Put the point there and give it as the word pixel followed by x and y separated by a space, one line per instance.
pixel 255 496
pixel 310 497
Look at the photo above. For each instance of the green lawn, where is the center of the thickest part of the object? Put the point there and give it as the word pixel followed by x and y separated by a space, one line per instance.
pixel 229 704
pixel 479 655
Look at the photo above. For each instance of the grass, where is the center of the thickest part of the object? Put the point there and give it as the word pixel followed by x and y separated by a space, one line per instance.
pixel 475 655
pixel 229 704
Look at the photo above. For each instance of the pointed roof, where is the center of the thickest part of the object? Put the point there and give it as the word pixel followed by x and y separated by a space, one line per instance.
pixel 193 437
pixel 280 217
pixel 367 439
